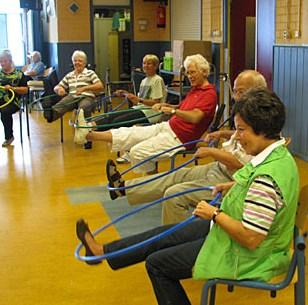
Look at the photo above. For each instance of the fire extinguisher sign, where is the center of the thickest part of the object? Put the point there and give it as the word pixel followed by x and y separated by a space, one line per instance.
pixel 161 16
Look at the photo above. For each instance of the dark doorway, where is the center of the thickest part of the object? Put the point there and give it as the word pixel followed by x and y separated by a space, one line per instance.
pixel 242 36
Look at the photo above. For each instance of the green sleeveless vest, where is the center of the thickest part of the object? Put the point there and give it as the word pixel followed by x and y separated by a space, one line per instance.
pixel 222 257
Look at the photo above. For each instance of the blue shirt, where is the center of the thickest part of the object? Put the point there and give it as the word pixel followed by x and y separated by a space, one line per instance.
pixel 38 67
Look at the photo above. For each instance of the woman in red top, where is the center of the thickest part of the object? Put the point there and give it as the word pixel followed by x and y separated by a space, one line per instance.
pixel 188 122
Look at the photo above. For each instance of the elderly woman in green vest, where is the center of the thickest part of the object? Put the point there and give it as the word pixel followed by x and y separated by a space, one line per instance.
pixel 252 230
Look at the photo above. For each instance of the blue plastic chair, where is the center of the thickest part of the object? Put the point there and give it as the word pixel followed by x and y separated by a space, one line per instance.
pixel 297 265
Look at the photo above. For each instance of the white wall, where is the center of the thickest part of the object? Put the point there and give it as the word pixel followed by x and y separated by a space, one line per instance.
pixel 189 14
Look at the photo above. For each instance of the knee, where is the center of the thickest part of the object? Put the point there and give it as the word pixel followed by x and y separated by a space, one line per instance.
pixel 152 265
pixel 171 191
pixel 135 153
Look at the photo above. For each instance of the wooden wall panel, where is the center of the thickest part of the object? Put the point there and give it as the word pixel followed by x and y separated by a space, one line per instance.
pixel 291 84
pixel 212 12
pixel 292 21
pixel 74 26
pixel 147 11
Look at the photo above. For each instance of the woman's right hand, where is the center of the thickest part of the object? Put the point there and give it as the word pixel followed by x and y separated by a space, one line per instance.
pixel 60 91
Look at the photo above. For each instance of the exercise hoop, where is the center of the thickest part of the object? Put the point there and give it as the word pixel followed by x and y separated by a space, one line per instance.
pixel 6 98
pixel 149 240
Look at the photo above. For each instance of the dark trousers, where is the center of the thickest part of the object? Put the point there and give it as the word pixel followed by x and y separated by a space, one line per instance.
pixel 69 103
pixel 168 260
pixel 116 117
pixel 7 119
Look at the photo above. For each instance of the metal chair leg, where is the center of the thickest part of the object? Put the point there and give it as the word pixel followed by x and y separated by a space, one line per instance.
pixel 20 125
pixel 27 118
pixel 61 129
pixel 212 295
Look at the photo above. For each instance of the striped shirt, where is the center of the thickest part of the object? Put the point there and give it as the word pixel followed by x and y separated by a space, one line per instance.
pixel 262 202
pixel 71 81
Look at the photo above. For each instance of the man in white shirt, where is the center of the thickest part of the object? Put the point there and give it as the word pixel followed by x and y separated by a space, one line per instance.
pixel 229 159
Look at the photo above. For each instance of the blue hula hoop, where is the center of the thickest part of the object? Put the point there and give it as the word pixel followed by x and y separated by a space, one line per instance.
pixel 149 240
pixel 110 188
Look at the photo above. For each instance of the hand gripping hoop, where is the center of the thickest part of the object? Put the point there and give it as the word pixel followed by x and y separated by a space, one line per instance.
pixel 149 240
pixel 6 98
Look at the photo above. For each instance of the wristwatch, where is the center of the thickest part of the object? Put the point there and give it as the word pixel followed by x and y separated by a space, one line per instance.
pixel 173 111
pixel 215 214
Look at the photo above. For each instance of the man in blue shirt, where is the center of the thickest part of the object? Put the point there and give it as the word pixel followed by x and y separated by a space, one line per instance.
pixel 36 68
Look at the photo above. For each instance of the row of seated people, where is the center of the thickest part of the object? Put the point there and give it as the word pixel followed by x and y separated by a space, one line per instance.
pixel 259 118
pixel 188 122
pixel 252 228
pixel 14 84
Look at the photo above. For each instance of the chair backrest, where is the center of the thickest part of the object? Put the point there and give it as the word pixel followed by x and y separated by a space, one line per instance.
pixel 49 83
pixel 217 118
pixel 47 71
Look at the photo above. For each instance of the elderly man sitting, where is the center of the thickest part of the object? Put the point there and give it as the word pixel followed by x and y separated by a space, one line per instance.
pixel 188 122
pixel 36 68
pixel 228 159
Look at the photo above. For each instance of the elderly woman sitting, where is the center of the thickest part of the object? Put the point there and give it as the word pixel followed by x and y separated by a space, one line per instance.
pixel 253 228
pixel 188 122
pixel 11 79
pixel 152 91
pixel 77 88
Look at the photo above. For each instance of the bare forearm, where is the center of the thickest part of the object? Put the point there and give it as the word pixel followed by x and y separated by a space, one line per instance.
pixel 97 87
pixel 20 90
pixel 238 232
pixel 190 116
pixel 225 158
pixel 149 102
pixel 234 228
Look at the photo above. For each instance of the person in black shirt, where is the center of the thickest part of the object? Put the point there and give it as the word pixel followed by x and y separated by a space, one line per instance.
pixel 10 79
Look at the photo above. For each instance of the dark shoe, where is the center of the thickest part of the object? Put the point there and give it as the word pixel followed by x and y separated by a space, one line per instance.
pixel 47 108
pixel 87 145
pixel 115 180
pixel 81 230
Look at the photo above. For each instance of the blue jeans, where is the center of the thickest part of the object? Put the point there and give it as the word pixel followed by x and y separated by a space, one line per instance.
pixel 168 260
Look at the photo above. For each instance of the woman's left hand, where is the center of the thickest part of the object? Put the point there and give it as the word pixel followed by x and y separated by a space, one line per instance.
pixel 8 87
pixel 204 210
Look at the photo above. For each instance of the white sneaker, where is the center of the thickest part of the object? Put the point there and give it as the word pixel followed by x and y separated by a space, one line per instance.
pixel 125 158
pixel 81 128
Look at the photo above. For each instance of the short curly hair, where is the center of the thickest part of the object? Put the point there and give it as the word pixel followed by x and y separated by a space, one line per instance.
pixel 201 63
pixel 263 111
pixel 80 54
